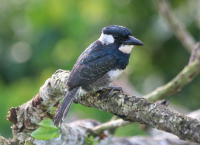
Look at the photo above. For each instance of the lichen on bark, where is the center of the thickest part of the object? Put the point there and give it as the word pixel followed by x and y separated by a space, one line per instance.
pixel 129 108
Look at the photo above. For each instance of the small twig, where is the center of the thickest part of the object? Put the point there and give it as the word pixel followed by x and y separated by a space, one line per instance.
pixel 175 85
pixel 195 53
pixel 97 130
pixel 183 78
pixel 176 25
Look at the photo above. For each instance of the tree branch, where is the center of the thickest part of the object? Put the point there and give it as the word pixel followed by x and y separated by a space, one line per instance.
pixel 182 79
pixel 176 25
pixel 129 108
pixel 71 133
pixel 25 118
pixel 97 130
pixel 157 140
pixel 116 123
pixel 174 86
pixel 139 110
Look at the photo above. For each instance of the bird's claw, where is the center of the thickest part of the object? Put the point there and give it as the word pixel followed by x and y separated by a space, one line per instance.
pixel 115 88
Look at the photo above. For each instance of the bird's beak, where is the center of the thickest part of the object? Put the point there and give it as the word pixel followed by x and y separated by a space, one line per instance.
pixel 132 41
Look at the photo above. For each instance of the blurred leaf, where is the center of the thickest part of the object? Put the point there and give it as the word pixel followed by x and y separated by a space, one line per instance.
pixel 45 133
pixel 52 110
pixel 46 123
pixel 91 141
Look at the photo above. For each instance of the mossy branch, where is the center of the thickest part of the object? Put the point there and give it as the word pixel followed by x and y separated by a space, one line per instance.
pixel 25 118
pixel 172 87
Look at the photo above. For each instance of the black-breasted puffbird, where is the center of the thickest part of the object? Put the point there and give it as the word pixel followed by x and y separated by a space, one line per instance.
pixel 98 66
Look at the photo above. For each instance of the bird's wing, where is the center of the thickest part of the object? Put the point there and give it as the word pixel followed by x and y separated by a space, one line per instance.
pixel 90 68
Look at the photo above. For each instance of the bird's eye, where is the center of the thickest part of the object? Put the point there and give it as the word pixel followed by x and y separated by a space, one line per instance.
pixel 116 36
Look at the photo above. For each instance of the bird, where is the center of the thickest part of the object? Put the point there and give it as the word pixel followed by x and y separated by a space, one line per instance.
pixel 98 66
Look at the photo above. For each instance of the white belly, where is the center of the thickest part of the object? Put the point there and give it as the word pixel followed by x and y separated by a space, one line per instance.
pixel 114 74
pixel 103 82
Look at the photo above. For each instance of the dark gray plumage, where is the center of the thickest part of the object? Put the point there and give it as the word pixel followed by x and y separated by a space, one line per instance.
pixel 98 66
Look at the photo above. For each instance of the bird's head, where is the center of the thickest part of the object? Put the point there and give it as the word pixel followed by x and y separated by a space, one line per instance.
pixel 119 35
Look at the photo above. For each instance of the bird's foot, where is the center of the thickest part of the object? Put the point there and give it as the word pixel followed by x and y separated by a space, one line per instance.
pixel 115 88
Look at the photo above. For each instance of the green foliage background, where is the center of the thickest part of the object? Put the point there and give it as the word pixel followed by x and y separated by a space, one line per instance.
pixel 37 37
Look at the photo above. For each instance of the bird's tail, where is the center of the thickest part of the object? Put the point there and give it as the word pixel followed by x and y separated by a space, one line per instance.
pixel 63 109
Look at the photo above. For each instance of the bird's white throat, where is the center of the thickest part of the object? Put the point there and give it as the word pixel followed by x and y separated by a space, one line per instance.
pixel 126 48
pixel 106 39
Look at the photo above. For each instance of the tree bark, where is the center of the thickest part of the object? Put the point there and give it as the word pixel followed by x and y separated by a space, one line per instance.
pixel 128 108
